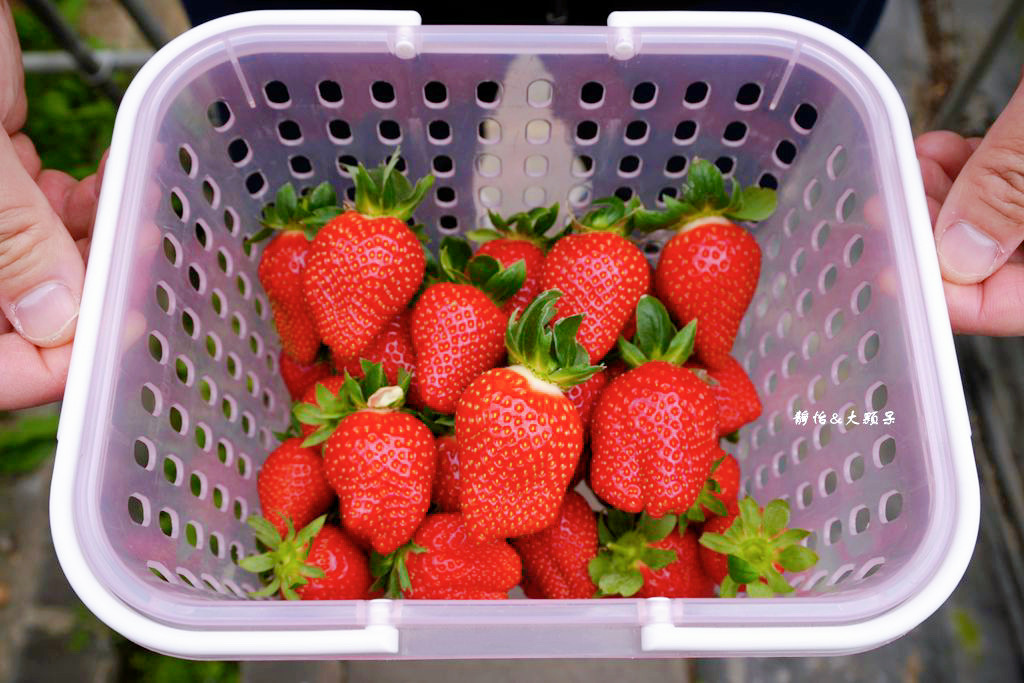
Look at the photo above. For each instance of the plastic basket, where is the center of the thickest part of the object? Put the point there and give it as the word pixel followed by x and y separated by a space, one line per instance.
pixel 173 392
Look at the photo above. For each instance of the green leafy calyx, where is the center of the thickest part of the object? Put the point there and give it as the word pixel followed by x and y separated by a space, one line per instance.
pixel 532 226
pixel 704 194
pixel 626 548
pixel 283 565
pixel 656 337
pixel 457 264
pixel 289 211
pixel 371 392
pixel 611 215
pixel 384 191
pixel 756 542
pixel 705 499
pixel 390 572
pixel 551 353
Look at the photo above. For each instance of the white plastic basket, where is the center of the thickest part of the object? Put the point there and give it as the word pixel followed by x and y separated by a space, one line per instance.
pixel 173 390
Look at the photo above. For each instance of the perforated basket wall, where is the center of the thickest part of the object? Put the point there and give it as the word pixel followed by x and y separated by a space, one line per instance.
pixel 506 119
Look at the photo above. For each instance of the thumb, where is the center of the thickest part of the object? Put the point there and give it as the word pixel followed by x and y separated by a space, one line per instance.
pixel 982 219
pixel 41 270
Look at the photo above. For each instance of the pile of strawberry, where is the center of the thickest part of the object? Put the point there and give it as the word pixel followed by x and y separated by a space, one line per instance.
pixel 449 411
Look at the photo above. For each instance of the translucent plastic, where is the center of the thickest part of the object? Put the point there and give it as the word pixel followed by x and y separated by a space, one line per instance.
pixel 177 368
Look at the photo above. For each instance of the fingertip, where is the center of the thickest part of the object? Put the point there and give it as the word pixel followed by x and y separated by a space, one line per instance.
pixel 950 150
pixel 26 152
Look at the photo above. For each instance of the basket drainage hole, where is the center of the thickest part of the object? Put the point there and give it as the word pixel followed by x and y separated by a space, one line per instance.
pixel 675 166
pixel 276 93
pixel 435 93
pixel 636 132
pixel 219 114
pixel 696 94
pixel 439 132
pixel 785 152
pixel 591 95
pixel 685 133
pixel 768 181
pixel 138 510
pixel 383 93
pixel 168 523
pixel 644 94
pixel 339 131
pixel 586 132
pixel 187 159
pixel 488 94
pixel 805 117
pixel 725 164
pixel 390 132
pixel 330 92
pixel 748 95
pixel 735 132
pixel 289 131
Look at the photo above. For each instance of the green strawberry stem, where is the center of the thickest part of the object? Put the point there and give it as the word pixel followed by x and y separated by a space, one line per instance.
pixel 285 558
pixel 458 264
pixel 531 226
pixel 705 499
pixel 656 337
pixel 371 392
pixel 384 191
pixel 704 195
pixel 755 543
pixel 611 215
pixel 390 572
pixel 307 213
pixel 625 547
pixel 550 353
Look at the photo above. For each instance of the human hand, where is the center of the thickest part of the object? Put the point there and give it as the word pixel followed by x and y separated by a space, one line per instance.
pixel 45 220
pixel 975 191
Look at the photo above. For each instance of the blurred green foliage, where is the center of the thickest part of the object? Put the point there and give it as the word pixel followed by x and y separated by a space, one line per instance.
pixel 26 440
pixel 69 120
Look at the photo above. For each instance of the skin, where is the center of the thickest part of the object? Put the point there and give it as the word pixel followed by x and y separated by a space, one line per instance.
pixel 46 218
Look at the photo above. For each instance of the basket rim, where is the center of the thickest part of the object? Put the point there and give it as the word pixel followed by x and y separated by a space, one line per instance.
pixel 381 638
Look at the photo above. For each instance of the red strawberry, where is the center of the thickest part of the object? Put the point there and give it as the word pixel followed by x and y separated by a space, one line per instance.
pixel 519 436
pixel 296 220
pixel 683 578
pixel 584 397
pixel 444 563
pixel 556 558
pixel 520 237
pixel 325 389
pixel 392 348
pixel 655 429
pixel 647 557
pixel 458 329
pixel 738 403
pixel 380 461
pixel 600 273
pixel 366 264
pixel 629 331
pixel 755 550
pixel 446 482
pixel 709 270
pixel 299 377
pixel 318 563
pixel 292 485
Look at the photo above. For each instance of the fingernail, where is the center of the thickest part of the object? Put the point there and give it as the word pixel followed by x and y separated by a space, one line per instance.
pixel 967 251
pixel 46 315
